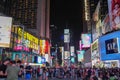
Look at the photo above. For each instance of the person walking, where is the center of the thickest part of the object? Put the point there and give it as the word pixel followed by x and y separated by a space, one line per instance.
pixel 13 71
pixel 28 70
pixel 3 68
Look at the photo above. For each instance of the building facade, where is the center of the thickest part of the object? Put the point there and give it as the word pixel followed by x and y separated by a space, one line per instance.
pixel 34 14
pixel 86 16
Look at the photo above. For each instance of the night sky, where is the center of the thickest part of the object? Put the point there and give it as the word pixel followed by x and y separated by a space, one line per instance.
pixel 66 14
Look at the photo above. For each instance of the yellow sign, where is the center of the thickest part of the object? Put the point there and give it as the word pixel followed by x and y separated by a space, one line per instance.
pixel 42 46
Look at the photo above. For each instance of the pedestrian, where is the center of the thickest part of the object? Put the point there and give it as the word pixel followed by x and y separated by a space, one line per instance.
pixel 20 76
pixel 39 73
pixel 28 70
pixel 13 71
pixel 3 67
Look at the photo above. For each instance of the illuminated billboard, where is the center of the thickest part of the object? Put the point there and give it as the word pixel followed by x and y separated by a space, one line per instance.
pixel 66 38
pixel 72 50
pixel 80 55
pixel 66 31
pixel 109 46
pixel 42 47
pixel 106 24
pixel 47 47
pixel 80 45
pixel 5 31
pixel 86 40
pixel 72 59
pixel 66 55
pixel 114 14
pixel 95 57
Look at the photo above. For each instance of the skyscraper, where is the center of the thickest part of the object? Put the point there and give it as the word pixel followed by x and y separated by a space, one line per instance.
pixel 89 7
pixel 86 16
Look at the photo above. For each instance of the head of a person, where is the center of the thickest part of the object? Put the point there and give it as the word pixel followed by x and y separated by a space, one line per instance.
pixel 13 62
pixel 19 62
pixel 6 61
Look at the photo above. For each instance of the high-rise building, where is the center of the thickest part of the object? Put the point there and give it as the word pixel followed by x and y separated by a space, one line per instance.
pixel 93 4
pixel 4 9
pixel 34 14
pixel 89 7
pixel 86 16
pixel 104 8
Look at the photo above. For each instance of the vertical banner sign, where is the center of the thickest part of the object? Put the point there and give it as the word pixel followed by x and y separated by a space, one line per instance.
pixel 5 31
pixel 114 14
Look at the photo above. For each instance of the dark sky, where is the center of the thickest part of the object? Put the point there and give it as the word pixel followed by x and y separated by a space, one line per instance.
pixel 66 14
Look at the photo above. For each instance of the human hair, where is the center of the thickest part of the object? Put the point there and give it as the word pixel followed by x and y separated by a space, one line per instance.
pixel 7 59
pixel 19 61
pixel 13 62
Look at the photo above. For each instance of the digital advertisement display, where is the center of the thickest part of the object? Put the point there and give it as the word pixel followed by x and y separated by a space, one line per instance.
pixel 47 47
pixel 95 57
pixel 114 14
pixel 72 59
pixel 86 40
pixel 66 55
pixel 24 57
pixel 72 50
pixel 80 55
pixel 5 31
pixel 42 46
pixel 43 60
pixel 66 38
pixel 39 60
pixel 109 46
pixel 16 56
pixel 27 39
pixel 80 45
pixel 66 31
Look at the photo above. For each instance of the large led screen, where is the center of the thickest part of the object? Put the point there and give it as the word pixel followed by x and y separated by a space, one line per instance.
pixel 95 57
pixel 66 55
pixel 72 50
pixel 86 40
pixel 80 55
pixel 66 38
pixel 109 46
pixel 114 14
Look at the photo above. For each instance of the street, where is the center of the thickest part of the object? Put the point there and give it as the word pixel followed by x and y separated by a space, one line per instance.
pixel 56 79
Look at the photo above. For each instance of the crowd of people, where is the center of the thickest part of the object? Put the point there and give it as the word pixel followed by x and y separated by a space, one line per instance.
pixel 70 73
pixel 12 70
